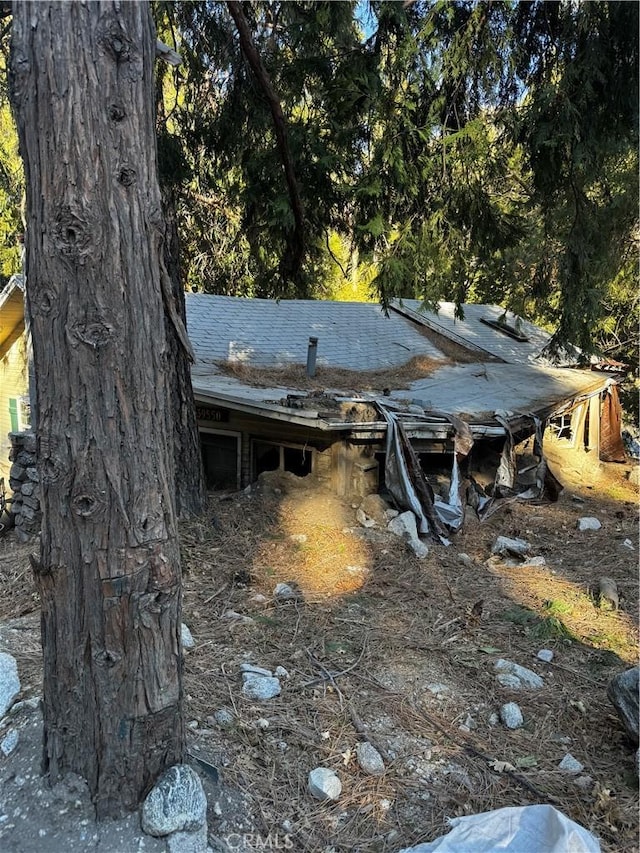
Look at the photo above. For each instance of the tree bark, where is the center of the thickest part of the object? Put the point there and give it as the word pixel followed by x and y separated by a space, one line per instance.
pixel 109 567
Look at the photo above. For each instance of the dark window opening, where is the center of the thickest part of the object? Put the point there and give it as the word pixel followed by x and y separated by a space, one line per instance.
pixel 266 457
pixel 297 461
pixel 220 460
pixel 271 457
pixel 381 459
pixel 437 471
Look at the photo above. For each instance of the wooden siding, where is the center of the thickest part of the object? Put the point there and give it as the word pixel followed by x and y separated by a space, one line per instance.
pixel 14 382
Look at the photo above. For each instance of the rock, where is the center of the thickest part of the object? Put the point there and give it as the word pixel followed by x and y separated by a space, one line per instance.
pixel 255 670
pixel 27 512
pixel 585 783
pixel 258 598
pixel 503 547
pixel 176 803
pixel 570 765
pixel 262 723
pixel 9 682
pixel 494 719
pixel 324 784
pixel 608 598
pixel 28 442
pixel 224 717
pixel 438 689
pixel 404 525
pixel 369 759
pixel 511 715
pixel 376 507
pixel 238 617
pixel 511 682
pixel 364 519
pixel 623 694
pixel 32 704
pixel 468 724
pixel 16 472
pixel 545 655
pixel 285 592
pixel 588 523
pixel 634 476
pixel 9 741
pixel 260 687
pixel 390 514
pixel 186 638
pixel 22 536
pixel 300 538
pixel 188 842
pixel 465 559
pixel 525 676
pixel 281 672
pixel 419 548
pixel 526 562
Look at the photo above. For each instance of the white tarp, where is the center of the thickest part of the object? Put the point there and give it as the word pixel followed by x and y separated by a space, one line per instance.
pixel 522 829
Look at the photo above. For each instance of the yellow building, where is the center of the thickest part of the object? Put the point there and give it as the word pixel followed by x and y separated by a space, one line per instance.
pixel 14 369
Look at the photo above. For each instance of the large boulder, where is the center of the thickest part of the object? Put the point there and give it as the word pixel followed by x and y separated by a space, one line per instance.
pixel 623 693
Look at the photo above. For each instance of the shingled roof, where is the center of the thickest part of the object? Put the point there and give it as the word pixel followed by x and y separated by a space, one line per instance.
pixel 266 333
pixel 508 376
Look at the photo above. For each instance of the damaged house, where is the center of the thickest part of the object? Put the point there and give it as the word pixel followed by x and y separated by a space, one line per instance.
pixel 411 401
pixel 424 405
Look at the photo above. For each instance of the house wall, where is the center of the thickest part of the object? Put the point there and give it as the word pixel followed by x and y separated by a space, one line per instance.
pixel 346 467
pixel 14 382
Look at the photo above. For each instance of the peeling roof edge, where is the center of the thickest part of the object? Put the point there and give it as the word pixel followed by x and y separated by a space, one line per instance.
pixel 416 427
pixel 310 418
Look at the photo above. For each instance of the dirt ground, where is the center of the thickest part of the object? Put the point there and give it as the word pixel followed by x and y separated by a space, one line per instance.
pixel 378 645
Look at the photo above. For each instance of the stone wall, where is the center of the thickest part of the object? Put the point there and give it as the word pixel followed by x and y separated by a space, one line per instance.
pixel 23 480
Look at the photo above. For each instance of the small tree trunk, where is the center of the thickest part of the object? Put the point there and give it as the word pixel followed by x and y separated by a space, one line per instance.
pixel 190 492
pixel 109 570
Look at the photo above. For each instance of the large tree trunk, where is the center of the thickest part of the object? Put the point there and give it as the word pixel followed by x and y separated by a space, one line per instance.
pixel 109 570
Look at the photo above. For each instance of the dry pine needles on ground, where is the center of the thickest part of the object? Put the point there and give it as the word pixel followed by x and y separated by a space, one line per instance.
pixel 381 646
